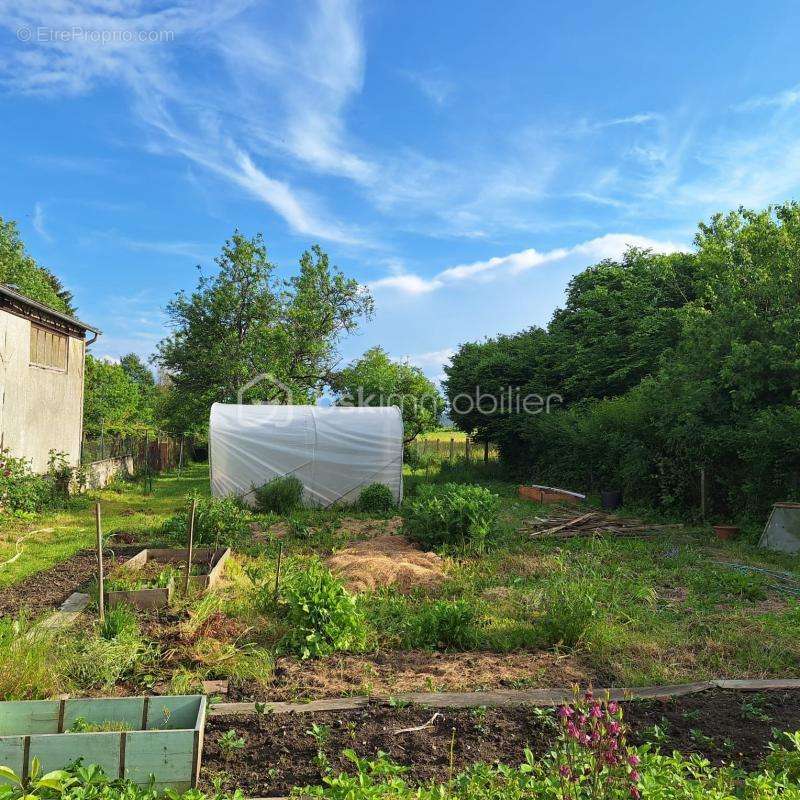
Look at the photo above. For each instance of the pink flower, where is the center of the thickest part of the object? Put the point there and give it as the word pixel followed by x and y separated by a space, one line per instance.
pixel 584 740
pixel 635 793
pixel 595 711
pixel 634 776
pixel 633 760
pixel 613 707
pixel 564 712
pixel 614 728
pixel 583 719
pixel 565 771
pixel 572 730
pixel 589 694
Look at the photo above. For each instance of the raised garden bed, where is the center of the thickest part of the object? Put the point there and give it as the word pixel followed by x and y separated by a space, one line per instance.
pixel 130 737
pixel 147 580
pixel 278 752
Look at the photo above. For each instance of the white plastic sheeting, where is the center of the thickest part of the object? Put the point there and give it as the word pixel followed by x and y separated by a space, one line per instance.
pixel 334 451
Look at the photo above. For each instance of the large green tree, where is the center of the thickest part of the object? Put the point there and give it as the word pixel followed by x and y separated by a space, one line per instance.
pixel 19 269
pixel 114 401
pixel 377 380
pixel 247 335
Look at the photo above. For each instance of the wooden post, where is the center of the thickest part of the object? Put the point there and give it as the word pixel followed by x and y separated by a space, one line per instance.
pixel 486 451
pixel 191 547
pixel 703 493
pixel 452 448
pixel 278 569
pixel 180 456
pixel 467 449
pixel 101 600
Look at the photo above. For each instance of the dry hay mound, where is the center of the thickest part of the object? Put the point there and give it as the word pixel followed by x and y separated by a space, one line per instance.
pixel 389 560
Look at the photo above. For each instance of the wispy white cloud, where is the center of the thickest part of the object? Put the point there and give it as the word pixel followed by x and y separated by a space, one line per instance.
pixel 784 99
pixel 38 221
pixel 611 245
pixel 433 84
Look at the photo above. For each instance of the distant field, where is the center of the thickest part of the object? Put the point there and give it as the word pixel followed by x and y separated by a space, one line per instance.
pixel 444 435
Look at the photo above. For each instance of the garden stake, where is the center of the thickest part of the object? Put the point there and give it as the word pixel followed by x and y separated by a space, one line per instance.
pixel 101 604
pixel 191 546
pixel 278 569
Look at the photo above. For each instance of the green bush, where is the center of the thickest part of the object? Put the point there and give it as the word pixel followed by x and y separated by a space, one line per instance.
pixel 453 514
pixel 218 520
pixel 321 614
pixel 21 490
pixel 377 498
pixel 280 495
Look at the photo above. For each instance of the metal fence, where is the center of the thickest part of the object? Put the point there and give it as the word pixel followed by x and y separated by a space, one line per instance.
pixel 150 452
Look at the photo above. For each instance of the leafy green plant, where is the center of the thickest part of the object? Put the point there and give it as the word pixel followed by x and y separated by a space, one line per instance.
pixel 21 490
pixel 320 734
pixel 218 520
pixel 35 786
pixel 377 498
pixel 452 514
pixel 280 496
pixel 784 759
pixel 82 725
pixel 230 742
pixel 321 614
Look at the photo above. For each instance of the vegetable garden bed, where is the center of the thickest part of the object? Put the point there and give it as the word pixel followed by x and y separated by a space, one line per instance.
pixel 129 737
pixel 268 754
pixel 149 577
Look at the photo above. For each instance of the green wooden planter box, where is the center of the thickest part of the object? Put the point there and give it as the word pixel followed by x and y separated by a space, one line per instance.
pixel 148 599
pixel 165 737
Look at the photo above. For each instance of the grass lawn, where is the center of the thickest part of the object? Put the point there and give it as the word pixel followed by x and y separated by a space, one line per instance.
pixel 55 536
pixel 526 612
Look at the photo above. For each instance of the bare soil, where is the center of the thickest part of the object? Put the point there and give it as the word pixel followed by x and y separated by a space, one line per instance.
pixel 387 560
pixel 396 671
pixel 279 754
pixel 46 590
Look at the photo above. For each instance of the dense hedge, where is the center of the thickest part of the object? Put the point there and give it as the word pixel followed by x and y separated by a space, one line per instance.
pixel 667 364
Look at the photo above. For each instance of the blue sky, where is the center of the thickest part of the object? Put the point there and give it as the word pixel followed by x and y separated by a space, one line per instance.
pixel 463 158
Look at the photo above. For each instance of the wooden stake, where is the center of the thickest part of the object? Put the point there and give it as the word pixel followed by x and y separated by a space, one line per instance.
pixel 101 601
pixel 191 547
pixel 452 448
pixel 486 451
pixel 278 569
pixel 703 493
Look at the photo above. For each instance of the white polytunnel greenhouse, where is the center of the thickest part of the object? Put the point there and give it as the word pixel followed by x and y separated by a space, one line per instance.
pixel 335 451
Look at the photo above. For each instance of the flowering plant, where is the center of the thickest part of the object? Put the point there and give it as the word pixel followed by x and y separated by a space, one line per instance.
pixel 21 490
pixel 592 755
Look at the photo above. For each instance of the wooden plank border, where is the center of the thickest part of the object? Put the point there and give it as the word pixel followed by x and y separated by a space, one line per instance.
pixel 502 697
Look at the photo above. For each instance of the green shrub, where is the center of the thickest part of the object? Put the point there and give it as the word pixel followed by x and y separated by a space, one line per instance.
pixel 321 614
pixel 377 498
pixel 21 490
pixel 453 514
pixel 219 520
pixel 447 624
pixel 280 495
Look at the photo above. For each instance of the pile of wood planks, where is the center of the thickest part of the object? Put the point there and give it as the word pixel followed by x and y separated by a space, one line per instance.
pixel 567 524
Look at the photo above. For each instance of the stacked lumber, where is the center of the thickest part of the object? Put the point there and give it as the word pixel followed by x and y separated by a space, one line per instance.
pixel 566 525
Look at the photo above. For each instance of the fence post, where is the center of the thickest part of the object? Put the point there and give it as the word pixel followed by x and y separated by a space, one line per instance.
pixel 485 451
pixel 703 493
pixel 452 448
pixel 101 601
pixel 467 449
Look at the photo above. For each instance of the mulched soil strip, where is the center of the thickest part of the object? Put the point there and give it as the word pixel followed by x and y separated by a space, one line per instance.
pixel 46 590
pixel 279 754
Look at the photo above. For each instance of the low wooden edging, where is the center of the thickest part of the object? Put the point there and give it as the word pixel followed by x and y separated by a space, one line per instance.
pixel 502 697
pixel 155 598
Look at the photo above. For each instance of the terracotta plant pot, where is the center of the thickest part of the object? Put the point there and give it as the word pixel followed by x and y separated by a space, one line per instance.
pixel 726 532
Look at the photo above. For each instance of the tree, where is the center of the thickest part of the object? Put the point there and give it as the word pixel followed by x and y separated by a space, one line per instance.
pixel 19 269
pixel 137 371
pixel 377 380
pixel 113 401
pixel 244 335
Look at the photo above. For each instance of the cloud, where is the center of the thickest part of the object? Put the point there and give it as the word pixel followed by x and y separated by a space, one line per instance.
pixel 185 116
pixel 432 83
pixel 611 245
pixel 782 100
pixel 38 222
